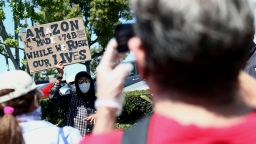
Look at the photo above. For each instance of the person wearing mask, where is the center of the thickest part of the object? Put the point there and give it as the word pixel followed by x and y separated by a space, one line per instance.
pixel 191 54
pixel 20 122
pixel 80 105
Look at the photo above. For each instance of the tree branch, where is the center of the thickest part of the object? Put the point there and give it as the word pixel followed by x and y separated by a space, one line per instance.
pixel 14 47
pixel 4 35
pixel 93 42
pixel 5 55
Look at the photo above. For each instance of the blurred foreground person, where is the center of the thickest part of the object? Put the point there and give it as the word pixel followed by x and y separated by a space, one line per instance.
pixel 191 53
pixel 21 121
pixel 79 103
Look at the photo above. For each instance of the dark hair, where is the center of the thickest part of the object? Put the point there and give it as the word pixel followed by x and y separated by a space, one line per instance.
pixel 90 96
pixel 194 46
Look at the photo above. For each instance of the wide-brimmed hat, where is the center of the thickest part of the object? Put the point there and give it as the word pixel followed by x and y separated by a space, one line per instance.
pixel 18 80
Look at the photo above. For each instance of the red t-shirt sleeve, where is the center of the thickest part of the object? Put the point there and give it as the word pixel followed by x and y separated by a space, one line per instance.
pixel 114 137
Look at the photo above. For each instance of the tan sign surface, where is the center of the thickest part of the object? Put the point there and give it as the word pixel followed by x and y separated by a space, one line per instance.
pixel 46 45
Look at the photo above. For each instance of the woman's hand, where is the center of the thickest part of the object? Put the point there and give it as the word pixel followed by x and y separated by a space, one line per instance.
pixel 60 68
pixel 91 118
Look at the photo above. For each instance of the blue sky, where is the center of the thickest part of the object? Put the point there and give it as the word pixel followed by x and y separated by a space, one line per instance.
pixel 69 70
pixel 8 22
pixel 9 25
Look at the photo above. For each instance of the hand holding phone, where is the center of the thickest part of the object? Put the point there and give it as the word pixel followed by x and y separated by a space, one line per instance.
pixel 123 33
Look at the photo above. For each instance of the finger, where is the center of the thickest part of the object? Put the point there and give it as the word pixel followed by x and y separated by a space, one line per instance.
pixel 122 71
pixel 109 55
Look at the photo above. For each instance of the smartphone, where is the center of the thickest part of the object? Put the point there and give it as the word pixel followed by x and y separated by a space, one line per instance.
pixel 123 33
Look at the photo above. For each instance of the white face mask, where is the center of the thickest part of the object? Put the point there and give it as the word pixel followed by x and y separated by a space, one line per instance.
pixel 84 87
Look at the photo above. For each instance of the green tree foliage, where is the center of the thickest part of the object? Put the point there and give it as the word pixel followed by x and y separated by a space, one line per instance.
pixel 11 42
pixel 56 10
pixel 2 14
pixel 104 15
pixel 135 107
pixel 100 18
pixel 51 72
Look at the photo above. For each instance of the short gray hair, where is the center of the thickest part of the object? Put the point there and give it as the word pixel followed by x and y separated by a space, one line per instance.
pixel 199 37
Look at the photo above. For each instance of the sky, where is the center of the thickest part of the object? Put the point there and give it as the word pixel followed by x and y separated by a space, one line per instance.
pixel 9 28
pixel 9 25
pixel 69 70
pixel 8 22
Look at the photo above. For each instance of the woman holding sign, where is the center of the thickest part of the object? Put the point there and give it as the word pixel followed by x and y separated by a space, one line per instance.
pixel 80 112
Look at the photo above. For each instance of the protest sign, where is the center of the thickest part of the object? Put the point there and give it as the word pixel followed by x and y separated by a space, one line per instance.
pixel 63 41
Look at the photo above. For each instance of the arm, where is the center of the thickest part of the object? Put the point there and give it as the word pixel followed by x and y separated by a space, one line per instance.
pixel 110 81
pixel 54 93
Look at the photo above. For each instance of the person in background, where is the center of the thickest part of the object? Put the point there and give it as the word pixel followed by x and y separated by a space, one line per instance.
pixel 20 122
pixel 250 67
pixel 191 54
pixel 80 105
pixel 69 87
pixel 71 83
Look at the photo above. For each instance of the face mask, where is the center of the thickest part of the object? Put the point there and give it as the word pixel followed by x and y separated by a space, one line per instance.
pixel 84 87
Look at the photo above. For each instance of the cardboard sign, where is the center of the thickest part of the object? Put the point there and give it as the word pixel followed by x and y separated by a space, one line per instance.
pixel 46 45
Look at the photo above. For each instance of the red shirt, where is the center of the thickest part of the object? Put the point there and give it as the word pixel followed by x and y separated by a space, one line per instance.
pixel 163 130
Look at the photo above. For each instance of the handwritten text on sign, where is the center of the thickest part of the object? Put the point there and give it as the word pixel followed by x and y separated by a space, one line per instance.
pixel 46 45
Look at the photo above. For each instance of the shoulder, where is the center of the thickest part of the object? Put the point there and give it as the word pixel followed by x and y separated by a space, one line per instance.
pixel 35 125
pixel 114 137
pixel 39 132
pixel 45 132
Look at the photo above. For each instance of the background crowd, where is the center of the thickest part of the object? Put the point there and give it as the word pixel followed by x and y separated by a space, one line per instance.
pixel 193 54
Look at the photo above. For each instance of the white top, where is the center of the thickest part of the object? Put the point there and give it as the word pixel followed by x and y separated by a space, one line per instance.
pixel 36 131
pixel 43 132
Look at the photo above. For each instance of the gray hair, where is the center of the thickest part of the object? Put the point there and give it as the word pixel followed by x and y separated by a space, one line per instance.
pixel 199 37
pixel 253 7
